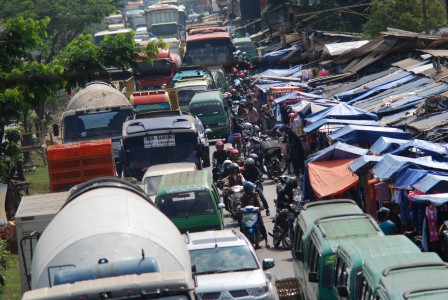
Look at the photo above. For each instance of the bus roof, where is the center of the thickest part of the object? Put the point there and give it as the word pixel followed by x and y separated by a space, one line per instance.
pixel 109 32
pixel 191 82
pixel 146 97
pixel 164 122
pixel 161 6
pixel 207 36
pixel 185 181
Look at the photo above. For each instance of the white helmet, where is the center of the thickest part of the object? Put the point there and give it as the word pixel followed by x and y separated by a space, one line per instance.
pixel 248 126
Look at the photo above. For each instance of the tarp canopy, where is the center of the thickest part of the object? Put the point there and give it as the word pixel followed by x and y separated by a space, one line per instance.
pixel 391 165
pixel 337 151
pixel 435 199
pixel 281 72
pixel 432 182
pixel 421 146
pixel 305 107
pixel 339 48
pixel 342 111
pixel 363 161
pixel 316 125
pixel 385 144
pixel 275 56
pixel 366 134
pixel 329 178
pixel 296 94
pixel 265 85
pixel 409 176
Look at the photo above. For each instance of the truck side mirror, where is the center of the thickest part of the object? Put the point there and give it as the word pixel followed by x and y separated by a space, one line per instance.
pixel 312 277
pixel 343 291
pixel 55 129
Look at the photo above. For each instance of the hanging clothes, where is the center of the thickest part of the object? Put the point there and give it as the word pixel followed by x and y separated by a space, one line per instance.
pixel 433 229
pixel 382 192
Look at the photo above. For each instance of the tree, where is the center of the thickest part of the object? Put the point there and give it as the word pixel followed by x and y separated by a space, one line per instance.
pixel 405 15
pixel 68 19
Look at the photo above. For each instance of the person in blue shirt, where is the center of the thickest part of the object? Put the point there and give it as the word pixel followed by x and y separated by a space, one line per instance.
pixel 388 227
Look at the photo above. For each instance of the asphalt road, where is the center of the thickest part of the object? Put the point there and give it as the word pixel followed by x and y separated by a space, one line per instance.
pixel 283 260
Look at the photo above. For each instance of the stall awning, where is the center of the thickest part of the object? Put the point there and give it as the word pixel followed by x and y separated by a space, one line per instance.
pixel 366 134
pixel 342 111
pixel 329 178
pixel 421 146
pixel 431 182
pixel 363 161
pixel 435 199
pixel 384 145
pixel 316 125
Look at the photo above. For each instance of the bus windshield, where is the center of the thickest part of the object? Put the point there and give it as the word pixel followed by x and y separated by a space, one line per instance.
pixel 205 109
pixel 185 94
pixel 180 205
pixel 88 126
pixel 142 152
pixel 210 52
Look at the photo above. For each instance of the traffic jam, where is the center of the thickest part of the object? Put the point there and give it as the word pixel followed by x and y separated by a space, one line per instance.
pixel 214 173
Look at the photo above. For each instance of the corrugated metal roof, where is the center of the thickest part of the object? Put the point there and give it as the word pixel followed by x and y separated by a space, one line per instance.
pixel 428 122
pixel 408 62
pixel 421 68
pixel 436 53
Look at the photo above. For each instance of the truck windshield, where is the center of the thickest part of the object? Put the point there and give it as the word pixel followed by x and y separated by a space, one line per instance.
pixel 205 109
pixel 179 205
pixel 185 94
pixel 88 126
pixel 164 31
pixel 210 52
pixel 223 259
pixel 145 151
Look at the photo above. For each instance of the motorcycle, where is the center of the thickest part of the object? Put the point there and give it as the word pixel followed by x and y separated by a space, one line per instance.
pixel 250 225
pixel 233 195
pixel 283 226
pixel 275 163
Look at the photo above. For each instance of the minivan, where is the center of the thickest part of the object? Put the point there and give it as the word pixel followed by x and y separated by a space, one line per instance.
pixel 304 224
pixel 212 110
pixel 191 200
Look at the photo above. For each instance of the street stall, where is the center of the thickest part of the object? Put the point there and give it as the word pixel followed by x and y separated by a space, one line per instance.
pixel 365 136
pixel 384 145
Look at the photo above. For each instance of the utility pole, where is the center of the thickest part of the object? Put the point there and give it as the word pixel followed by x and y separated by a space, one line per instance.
pixel 425 17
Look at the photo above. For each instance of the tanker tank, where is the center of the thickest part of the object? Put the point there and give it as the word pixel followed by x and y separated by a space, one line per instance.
pixel 109 236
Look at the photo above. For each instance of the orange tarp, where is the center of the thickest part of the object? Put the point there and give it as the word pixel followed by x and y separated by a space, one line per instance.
pixel 328 178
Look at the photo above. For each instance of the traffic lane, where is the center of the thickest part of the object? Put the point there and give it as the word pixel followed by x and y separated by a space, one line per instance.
pixel 283 259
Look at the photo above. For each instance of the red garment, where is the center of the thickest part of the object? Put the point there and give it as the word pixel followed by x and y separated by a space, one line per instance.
pixel 431 214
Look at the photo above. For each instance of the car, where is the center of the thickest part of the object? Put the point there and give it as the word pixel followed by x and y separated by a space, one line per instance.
pixel 226 266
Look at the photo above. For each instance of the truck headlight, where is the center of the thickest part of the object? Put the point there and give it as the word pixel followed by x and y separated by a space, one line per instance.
pixel 258 291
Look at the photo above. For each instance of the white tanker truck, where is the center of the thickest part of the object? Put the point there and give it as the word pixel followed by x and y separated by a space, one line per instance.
pixel 109 241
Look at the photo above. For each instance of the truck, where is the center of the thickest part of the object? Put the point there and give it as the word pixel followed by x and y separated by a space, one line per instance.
pixel 162 20
pixel 83 253
pixel 156 100
pixel 97 112
pixel 160 72
pixel 164 137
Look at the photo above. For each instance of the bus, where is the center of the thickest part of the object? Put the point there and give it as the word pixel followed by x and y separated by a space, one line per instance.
pixel 209 47
pixel 99 36
pixel 150 101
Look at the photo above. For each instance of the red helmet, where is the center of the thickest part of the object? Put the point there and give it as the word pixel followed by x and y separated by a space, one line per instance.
pixel 234 70
pixel 242 74
pixel 234 151
pixel 219 143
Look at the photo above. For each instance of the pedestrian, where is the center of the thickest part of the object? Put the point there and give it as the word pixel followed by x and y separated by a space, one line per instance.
pixel 384 223
pixel 252 114
pixel 394 216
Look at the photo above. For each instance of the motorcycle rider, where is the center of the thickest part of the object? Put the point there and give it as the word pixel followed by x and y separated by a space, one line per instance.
pixel 218 158
pixel 250 197
pixel 252 174
pixel 235 178
pixel 285 196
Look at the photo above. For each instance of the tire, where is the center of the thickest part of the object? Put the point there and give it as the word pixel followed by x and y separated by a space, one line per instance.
pixel 287 239
pixel 251 238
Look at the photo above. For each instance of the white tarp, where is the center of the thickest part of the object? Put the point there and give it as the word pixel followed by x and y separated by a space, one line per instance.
pixel 339 48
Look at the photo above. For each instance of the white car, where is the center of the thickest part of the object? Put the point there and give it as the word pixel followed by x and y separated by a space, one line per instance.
pixel 226 267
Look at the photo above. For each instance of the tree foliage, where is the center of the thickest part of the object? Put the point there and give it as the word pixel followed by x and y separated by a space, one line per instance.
pixel 67 19
pixel 405 15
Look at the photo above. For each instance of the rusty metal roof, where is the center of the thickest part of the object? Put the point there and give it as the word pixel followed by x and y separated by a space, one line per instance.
pixel 436 53
pixel 408 62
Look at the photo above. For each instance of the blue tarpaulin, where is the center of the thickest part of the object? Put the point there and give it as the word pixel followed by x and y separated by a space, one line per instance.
pixel 316 125
pixel 409 176
pixel 431 182
pixel 337 151
pixel 342 111
pixel 435 199
pixel 384 145
pixel 363 161
pixel 275 56
pixel 421 146
pixel 366 134
pixel 391 165
pixel 291 72
pixel 296 94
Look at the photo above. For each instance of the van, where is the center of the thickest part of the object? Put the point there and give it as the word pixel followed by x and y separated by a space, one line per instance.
pixel 351 254
pixel 404 276
pixel 153 175
pixel 191 201
pixel 212 110
pixel 320 248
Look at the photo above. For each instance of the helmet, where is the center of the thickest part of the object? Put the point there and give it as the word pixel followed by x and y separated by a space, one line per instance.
pixel 234 166
pixel 248 126
pixel 219 144
pixel 227 164
pixel 244 101
pixel 242 74
pixel 253 156
pixel 292 183
pixel 234 154
pixel 234 70
pixel 233 91
pixel 248 186
pixel 249 161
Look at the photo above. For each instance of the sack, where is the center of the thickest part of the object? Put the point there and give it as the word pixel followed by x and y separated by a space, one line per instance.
pixel 230 138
